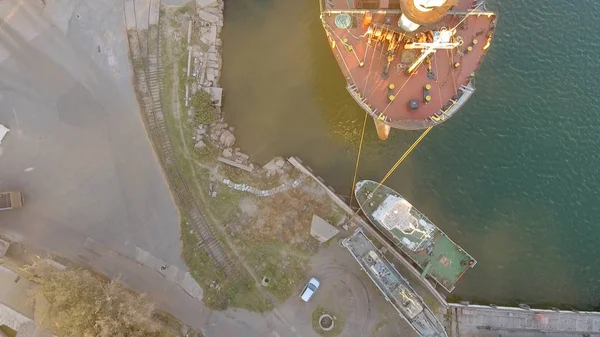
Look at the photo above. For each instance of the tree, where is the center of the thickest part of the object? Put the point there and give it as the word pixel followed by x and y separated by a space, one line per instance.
pixel 83 304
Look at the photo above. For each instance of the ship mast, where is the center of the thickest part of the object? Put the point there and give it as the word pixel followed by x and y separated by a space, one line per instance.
pixel 442 39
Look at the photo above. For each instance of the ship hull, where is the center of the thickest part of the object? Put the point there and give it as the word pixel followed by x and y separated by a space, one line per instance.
pixel 397 290
pixel 438 256
pixel 376 57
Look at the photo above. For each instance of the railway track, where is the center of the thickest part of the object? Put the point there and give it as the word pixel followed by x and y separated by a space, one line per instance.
pixel 145 53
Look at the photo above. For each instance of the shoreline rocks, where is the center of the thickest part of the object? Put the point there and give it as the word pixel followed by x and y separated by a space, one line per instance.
pixel 207 61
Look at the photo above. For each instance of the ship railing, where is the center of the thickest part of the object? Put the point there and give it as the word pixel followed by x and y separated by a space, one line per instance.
pixel 454 104
pixel 458 103
pixel 362 101
pixel 470 12
pixel 361 11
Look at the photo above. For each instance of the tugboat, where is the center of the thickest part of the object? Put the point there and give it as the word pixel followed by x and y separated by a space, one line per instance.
pixel 427 247
pixel 409 64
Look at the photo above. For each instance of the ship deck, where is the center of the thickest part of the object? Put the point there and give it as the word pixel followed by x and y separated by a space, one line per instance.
pixel 395 287
pixel 363 59
pixel 445 262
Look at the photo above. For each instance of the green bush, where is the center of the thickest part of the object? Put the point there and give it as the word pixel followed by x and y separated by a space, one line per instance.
pixel 203 109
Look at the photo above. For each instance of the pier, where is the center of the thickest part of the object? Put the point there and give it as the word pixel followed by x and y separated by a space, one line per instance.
pixel 357 220
pixel 466 320
pixel 496 321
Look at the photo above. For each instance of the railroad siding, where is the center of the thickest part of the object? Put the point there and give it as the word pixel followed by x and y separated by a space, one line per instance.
pixel 147 75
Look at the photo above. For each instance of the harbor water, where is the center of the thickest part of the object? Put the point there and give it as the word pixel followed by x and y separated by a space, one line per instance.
pixel 512 178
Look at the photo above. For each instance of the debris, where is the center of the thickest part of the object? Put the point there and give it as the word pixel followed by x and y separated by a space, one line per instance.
pixel 208 17
pixel 206 3
pixel 263 193
pixel 235 164
pixel 200 145
pixel 321 229
pixel 227 139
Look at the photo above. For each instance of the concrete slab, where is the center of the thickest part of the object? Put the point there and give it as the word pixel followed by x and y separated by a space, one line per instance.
pixel 235 164
pixel 484 321
pixel 4 247
pixel 60 12
pixel 12 318
pixel 206 3
pixel 14 292
pixel 142 11
pixel 129 14
pixel 208 17
pixel 191 287
pixel 321 229
pixel 154 10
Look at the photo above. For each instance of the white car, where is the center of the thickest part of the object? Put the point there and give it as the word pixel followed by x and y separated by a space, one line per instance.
pixel 3 131
pixel 310 288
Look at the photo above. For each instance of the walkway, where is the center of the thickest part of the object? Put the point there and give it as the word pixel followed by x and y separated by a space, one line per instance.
pixel 77 148
pixel 484 321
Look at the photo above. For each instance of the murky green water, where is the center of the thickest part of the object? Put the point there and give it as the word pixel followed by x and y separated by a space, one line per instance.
pixel 513 178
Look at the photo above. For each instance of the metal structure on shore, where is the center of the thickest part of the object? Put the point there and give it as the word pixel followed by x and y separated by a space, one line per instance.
pixel 409 64
pixel 394 286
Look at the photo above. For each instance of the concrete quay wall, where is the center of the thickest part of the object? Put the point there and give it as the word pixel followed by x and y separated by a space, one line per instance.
pixel 497 321
pixel 357 220
pixel 467 320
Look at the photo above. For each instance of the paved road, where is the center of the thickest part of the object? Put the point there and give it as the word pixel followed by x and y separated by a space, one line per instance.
pixel 79 152
pixel 77 147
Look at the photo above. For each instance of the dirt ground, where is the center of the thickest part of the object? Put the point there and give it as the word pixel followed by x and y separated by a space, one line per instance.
pixel 271 235
pixel 347 292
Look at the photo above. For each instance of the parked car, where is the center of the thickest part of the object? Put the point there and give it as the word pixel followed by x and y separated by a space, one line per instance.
pixel 309 289
pixel 3 131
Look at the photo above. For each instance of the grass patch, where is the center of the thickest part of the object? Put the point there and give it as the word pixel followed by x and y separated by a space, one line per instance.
pixel 337 320
pixel 204 112
pixel 284 267
pixel 225 204
pixel 182 73
pixel 219 291
pixel 173 327
pixel 186 9
pixel 275 242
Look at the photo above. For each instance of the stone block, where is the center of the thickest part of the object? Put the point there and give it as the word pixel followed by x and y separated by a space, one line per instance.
pixel 206 3
pixel 210 74
pixel 208 17
pixel 227 138
pixel 200 145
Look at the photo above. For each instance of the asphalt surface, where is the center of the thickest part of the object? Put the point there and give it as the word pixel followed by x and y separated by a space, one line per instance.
pixel 78 151
pixel 347 293
pixel 77 148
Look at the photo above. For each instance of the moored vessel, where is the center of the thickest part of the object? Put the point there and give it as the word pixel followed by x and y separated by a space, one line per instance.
pixel 394 286
pixel 427 247
pixel 409 64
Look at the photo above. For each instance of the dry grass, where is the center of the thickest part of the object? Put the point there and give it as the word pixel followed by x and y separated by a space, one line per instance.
pixel 275 237
pixel 274 240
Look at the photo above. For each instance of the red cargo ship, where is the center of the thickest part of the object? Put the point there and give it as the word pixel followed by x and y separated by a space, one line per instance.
pixel 409 63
